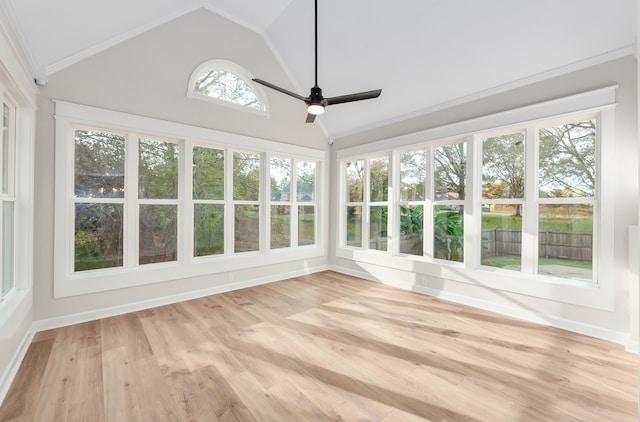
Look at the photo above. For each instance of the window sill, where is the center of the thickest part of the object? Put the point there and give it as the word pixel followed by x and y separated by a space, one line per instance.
pixel 556 289
pixel 12 304
pixel 117 278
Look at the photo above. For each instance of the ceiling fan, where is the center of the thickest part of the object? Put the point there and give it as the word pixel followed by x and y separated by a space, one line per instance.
pixel 315 101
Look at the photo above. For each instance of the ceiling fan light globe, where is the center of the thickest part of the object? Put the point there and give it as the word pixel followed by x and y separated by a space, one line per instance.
pixel 315 109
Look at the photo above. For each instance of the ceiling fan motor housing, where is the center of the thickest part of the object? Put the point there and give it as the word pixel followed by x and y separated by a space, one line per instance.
pixel 315 96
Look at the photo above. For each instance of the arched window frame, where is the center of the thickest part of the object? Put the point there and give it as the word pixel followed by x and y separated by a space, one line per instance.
pixel 240 72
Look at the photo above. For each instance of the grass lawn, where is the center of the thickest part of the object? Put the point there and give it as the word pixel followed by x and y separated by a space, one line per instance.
pixel 559 222
pixel 506 260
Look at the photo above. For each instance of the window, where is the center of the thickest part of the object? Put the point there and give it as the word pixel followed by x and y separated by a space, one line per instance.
pixel 559 214
pixel 8 199
pixel 354 202
pixel 135 208
pixel 208 201
pixel 559 209
pixel 378 202
pixel 514 207
pixel 567 197
pixel 293 216
pixel 413 176
pixel 157 200
pixel 280 202
pixel 449 190
pixel 503 183
pixel 99 183
pixel 306 198
pixel 226 83
pixel 246 201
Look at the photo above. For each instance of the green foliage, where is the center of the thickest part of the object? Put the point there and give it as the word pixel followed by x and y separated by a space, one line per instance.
pixel 413 173
pixel 208 173
pixel 157 169
pixel 99 164
pixel 378 179
pixel 449 171
pixel 208 229
pixel 355 178
pixel 246 176
pixel 411 220
pixel 503 166
pixel 501 220
pixel 448 233
pixel 98 236
pixel 88 255
pixel 568 160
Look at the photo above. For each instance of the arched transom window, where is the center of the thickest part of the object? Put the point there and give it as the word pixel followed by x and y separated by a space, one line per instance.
pixel 226 82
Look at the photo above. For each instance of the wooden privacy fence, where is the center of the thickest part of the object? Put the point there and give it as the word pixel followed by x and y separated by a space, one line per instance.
pixel 575 246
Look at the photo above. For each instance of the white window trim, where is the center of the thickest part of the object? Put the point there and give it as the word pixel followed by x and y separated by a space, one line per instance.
pixel 236 69
pixel 600 295
pixel 20 296
pixel 67 283
pixel 292 203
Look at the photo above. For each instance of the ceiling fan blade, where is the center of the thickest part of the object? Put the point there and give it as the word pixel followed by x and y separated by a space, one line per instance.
pixel 277 88
pixel 310 118
pixel 366 95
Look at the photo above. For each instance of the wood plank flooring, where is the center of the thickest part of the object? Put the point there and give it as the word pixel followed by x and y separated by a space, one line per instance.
pixel 324 347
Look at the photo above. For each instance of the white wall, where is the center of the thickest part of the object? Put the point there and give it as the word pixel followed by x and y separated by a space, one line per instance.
pixel 611 325
pixel 147 76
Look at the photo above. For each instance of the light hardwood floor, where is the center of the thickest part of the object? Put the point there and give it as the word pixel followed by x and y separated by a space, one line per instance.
pixel 321 347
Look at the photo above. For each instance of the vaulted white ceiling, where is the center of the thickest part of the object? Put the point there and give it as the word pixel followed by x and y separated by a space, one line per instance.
pixel 424 54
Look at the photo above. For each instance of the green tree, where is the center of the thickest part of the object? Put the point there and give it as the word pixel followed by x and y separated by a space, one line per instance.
pixel 413 173
pixel 503 168
pixel 246 176
pixel 379 179
pixel 355 181
pixel 208 173
pixel 450 171
pixel 157 169
pixel 567 165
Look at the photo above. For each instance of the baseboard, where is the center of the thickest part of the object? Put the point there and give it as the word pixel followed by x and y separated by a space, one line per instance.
pixel 633 346
pixel 525 314
pixel 93 315
pixel 16 361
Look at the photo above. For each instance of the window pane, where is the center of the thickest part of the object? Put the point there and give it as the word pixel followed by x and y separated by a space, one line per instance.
pixel 449 171
pixel 503 166
pixel 448 232
pixel 246 176
pixel 158 233
pixel 306 189
pixel 226 86
pixel 6 141
pixel 280 171
pixel 566 241
pixel 411 224
pixel 378 228
pixel 306 225
pixel 208 229
pixel 208 173
pixel 502 236
pixel 355 181
pixel 99 165
pixel 247 228
pixel 8 280
pixel 157 169
pixel 354 226
pixel 379 179
pixel 568 160
pixel 280 226
pixel 413 172
pixel 98 236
